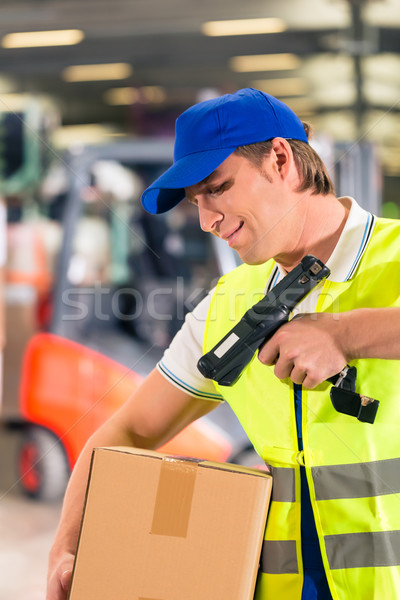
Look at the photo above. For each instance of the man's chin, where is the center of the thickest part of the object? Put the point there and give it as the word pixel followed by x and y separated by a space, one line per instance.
pixel 251 259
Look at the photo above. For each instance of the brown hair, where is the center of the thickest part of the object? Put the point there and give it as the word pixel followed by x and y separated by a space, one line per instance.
pixel 311 169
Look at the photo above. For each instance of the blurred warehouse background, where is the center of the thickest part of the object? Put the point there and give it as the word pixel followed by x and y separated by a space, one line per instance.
pixel 94 290
pixel 129 67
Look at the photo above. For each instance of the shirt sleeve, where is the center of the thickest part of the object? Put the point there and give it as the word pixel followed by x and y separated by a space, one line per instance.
pixel 179 363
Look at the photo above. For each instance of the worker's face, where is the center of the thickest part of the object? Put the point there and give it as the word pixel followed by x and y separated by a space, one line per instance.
pixel 253 209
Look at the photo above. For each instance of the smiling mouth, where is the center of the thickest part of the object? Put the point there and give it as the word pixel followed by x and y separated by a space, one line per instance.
pixel 231 237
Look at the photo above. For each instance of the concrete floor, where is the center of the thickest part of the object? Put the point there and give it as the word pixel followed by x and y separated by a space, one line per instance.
pixel 27 530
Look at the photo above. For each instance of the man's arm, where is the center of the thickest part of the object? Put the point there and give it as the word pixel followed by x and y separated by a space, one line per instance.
pixel 154 414
pixel 372 333
pixel 311 348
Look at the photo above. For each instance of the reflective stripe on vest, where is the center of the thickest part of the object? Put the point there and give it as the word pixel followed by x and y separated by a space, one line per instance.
pixel 283 487
pixel 352 468
pixel 279 557
pixel 358 480
pixel 366 549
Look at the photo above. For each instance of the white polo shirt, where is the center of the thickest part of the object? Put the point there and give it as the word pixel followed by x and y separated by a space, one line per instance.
pixel 179 363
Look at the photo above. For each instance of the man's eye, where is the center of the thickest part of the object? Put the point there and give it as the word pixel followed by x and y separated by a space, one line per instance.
pixel 217 190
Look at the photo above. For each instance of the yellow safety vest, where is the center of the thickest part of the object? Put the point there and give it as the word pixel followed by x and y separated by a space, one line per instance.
pixel 353 468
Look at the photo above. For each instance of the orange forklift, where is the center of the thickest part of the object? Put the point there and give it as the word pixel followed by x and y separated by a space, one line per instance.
pixel 96 289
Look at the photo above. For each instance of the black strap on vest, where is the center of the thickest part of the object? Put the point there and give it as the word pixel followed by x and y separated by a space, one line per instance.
pixel 346 400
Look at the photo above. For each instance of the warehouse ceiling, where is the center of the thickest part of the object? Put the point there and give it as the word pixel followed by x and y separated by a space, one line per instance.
pixel 339 66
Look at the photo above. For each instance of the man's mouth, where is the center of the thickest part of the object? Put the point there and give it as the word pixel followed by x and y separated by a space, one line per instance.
pixel 231 237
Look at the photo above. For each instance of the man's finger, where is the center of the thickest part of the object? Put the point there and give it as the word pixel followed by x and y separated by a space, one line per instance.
pixel 269 353
pixel 66 579
pixel 298 375
pixel 284 369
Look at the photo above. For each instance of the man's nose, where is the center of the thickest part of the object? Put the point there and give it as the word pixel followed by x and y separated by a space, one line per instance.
pixel 209 217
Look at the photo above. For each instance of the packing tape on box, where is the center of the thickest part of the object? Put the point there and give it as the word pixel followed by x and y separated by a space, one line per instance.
pixel 174 497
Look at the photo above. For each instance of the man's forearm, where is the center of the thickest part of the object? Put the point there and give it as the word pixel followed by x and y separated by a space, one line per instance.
pixel 68 531
pixel 371 333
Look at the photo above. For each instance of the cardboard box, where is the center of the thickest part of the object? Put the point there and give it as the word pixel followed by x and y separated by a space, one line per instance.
pixel 157 527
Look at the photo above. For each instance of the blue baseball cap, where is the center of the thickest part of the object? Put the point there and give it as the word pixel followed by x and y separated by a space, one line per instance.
pixel 208 132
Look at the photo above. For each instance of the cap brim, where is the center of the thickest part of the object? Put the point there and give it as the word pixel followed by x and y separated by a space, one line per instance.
pixel 168 190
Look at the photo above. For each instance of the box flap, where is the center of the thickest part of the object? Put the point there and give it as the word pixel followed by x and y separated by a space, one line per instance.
pixel 207 464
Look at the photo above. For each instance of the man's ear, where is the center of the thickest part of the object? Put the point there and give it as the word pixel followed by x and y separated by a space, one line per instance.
pixel 282 156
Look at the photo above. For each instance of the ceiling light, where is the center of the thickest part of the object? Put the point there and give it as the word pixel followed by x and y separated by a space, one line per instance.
pixel 12 102
pixel 264 62
pixel 153 93
pixel 130 95
pixel 293 86
pixel 32 39
pixel 93 133
pixel 100 72
pixel 243 27
pixel 121 96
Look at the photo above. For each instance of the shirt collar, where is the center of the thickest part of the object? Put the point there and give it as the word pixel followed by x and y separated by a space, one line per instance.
pixel 352 242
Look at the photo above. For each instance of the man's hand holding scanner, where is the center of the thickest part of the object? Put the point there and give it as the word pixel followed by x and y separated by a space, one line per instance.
pixel 309 349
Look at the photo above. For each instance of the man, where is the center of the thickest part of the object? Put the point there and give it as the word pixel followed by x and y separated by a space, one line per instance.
pixel 245 161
